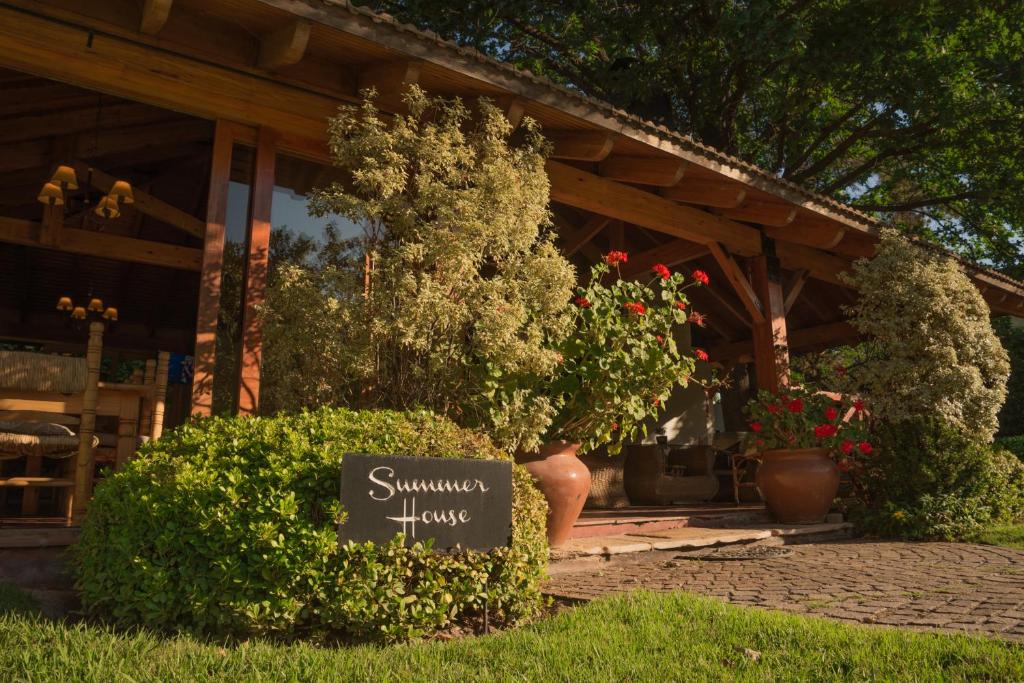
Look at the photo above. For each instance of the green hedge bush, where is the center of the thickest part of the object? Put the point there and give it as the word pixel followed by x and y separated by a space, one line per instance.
pixel 227 528
pixel 929 480
pixel 1014 444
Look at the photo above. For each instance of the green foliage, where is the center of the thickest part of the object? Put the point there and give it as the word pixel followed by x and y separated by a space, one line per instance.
pixel 1014 444
pixel 803 417
pixel 928 480
pixel 932 351
pixel 911 109
pixel 622 361
pixel 456 296
pixel 1011 417
pixel 228 527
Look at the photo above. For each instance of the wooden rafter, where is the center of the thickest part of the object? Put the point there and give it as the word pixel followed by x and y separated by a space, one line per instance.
pixel 580 145
pixel 155 14
pixel 763 212
pixel 144 202
pixel 740 284
pixel 821 234
pixel 572 242
pixel 722 194
pixel 99 244
pixel 828 334
pixel 793 288
pixel 570 185
pixel 285 46
pixel 659 171
pixel 671 254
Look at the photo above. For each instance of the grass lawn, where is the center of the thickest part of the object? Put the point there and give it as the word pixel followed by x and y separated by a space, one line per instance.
pixel 641 637
pixel 1008 535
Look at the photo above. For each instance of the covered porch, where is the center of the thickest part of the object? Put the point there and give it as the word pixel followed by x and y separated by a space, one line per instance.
pixel 216 118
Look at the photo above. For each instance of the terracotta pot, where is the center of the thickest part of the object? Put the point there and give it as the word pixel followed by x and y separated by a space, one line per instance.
pixel 798 485
pixel 565 482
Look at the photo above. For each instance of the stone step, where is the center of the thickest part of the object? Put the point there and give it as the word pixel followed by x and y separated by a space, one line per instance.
pixel 578 552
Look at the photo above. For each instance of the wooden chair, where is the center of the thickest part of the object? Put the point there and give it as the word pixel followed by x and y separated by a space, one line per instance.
pixel 36 388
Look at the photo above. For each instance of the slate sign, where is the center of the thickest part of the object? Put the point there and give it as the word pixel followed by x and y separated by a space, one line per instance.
pixel 455 501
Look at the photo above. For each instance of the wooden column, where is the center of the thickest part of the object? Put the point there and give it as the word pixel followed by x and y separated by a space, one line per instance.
pixel 85 459
pixel 210 271
pixel 771 344
pixel 255 274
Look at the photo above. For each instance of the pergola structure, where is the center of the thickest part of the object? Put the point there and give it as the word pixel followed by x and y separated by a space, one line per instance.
pixel 192 82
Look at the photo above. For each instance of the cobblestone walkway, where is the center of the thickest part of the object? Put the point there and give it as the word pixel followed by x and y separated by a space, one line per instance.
pixel 947 586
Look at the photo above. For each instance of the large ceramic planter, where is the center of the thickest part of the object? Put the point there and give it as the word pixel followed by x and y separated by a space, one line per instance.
pixel 564 480
pixel 798 485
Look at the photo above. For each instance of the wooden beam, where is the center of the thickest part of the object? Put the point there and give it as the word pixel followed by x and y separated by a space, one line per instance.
pixel 389 79
pixel 566 227
pixel 794 287
pixel 660 171
pixel 101 245
pixel 144 202
pixel 33 125
pixel 723 302
pixel 580 145
pixel 570 185
pixel 829 334
pixel 210 277
pixel 514 108
pixel 770 337
pixel 256 267
pixel 123 67
pixel 821 264
pixel 762 212
pixel 820 234
pixel 670 254
pixel 740 284
pixel 571 242
pixel 154 15
pixel 723 194
pixel 285 46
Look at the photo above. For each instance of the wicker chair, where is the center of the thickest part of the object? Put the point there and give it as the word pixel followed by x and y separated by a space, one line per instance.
pixel 40 398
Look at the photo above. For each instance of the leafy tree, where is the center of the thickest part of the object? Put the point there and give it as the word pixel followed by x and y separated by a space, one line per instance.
pixel 1011 417
pixel 911 109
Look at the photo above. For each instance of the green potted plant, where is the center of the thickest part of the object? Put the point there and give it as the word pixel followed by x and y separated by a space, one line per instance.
pixel 618 365
pixel 806 438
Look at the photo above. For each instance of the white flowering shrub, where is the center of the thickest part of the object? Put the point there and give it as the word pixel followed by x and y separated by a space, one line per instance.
pixel 933 352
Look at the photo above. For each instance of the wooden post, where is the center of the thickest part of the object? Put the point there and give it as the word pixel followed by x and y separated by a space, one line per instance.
pixel 127 422
pixel 163 361
pixel 210 272
pixel 146 416
pixel 84 461
pixel 771 344
pixel 255 274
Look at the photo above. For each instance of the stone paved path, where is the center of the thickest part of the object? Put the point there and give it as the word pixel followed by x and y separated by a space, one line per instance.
pixel 946 586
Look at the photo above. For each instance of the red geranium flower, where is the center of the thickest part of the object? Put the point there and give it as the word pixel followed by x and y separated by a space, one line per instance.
pixel 846 446
pixel 831 413
pixel 681 305
pixel 773 408
pixel 583 302
pixel 858 405
pixel 615 426
pixel 636 307
pixel 760 442
pixel 701 277
pixel 865 448
pixel 701 354
pixel 796 405
pixel 613 258
pixel 755 426
pixel 844 465
pixel 661 340
pixel 661 271
pixel 698 319
pixel 825 431
pixel 656 402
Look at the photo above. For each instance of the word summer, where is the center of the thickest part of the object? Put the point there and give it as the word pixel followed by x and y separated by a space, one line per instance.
pixel 386 485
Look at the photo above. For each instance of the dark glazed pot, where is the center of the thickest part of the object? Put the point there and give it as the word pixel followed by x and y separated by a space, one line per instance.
pixel 798 485
pixel 565 482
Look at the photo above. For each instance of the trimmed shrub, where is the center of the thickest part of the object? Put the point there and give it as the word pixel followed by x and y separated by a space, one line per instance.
pixel 928 480
pixel 227 527
pixel 1014 444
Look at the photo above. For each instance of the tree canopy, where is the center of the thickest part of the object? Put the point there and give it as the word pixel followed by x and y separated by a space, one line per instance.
pixel 913 110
